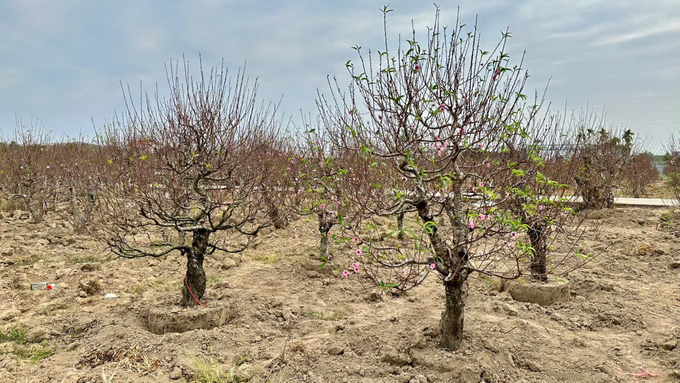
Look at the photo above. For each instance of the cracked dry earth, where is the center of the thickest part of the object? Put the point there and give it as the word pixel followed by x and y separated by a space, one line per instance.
pixel 285 320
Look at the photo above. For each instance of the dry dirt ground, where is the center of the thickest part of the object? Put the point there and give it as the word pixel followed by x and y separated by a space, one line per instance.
pixel 285 320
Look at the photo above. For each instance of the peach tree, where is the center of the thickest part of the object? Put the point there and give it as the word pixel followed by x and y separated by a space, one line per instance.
pixel 445 118
pixel 187 174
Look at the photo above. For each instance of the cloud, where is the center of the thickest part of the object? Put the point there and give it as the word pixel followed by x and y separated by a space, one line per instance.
pixel 62 60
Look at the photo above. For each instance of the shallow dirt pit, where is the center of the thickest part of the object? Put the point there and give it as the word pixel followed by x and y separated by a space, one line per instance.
pixel 298 323
pixel 164 319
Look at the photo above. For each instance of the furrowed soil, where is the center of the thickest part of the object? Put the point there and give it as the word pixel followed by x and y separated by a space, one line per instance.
pixel 280 318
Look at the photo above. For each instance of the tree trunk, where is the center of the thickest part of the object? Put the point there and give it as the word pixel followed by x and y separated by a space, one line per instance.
pixel 454 314
pixel 78 220
pixel 539 264
pixel 400 226
pixel 452 317
pixel 274 213
pixel 36 209
pixel 194 280
pixel 325 226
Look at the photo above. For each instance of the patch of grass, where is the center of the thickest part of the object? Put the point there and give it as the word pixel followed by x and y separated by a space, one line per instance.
pixel 28 261
pixel 139 290
pixel 267 258
pixel 322 315
pixel 211 280
pixel 87 259
pixel 51 310
pixel 243 358
pixel 163 285
pixel 208 371
pixel 16 335
pixel 33 353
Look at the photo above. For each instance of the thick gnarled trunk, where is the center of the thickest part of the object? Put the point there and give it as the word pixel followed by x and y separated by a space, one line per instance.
pixel 539 264
pixel 325 225
pixel 454 314
pixel 36 208
pixel 454 310
pixel 195 280
pixel 400 226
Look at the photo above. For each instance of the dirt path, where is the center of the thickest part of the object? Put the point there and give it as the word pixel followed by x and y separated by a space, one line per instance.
pixel 293 322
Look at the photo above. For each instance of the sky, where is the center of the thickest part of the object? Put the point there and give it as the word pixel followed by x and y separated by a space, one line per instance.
pixel 62 61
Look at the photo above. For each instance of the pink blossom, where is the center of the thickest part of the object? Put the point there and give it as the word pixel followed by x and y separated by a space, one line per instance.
pixel 471 222
pixel 432 266
pixel 404 179
pixel 356 239
pixel 356 264
pixel 480 146
pixel 505 243
pixel 481 184
pixel 482 216
pixel 323 206
pixel 446 144
pixel 513 235
pixel 345 273
pixel 405 272
pixel 488 165
pixel 439 152
pixel 442 107
pixel 358 251
pixel 474 189
pixel 416 67
pixel 540 207
pixel 356 269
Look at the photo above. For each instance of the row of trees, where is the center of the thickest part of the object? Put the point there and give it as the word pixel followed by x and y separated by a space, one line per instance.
pixel 436 128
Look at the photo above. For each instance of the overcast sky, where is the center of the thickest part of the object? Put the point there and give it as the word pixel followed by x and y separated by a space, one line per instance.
pixel 61 60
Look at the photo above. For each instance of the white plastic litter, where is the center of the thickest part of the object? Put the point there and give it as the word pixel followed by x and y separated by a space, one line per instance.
pixel 111 296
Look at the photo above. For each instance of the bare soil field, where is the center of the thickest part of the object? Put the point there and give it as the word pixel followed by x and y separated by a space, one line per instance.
pixel 279 318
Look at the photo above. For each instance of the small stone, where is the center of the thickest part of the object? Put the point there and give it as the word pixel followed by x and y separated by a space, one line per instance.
pixel 675 264
pixel 393 357
pixel 421 378
pixel 532 365
pixel 431 332
pixel 287 314
pixel 37 335
pixel 176 373
pixel 227 264
pixel 82 294
pixel 669 345
pixel 511 311
pixel 374 297
pixel 336 350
